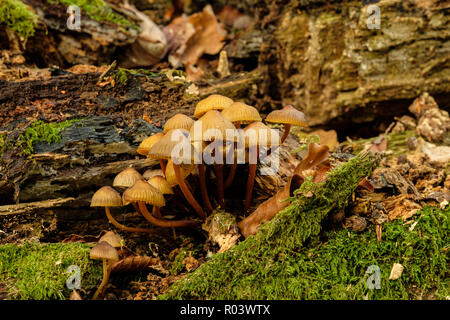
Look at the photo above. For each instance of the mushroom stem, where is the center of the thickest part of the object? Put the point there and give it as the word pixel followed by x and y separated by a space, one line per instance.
pixel 156 212
pixel 104 280
pixel 121 226
pixel 204 191
pixel 164 223
pixel 287 128
pixel 187 193
pixel 232 172
pixel 163 166
pixel 220 192
pixel 251 177
pixel 135 206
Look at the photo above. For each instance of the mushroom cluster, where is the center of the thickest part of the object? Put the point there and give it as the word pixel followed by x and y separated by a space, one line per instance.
pixel 225 133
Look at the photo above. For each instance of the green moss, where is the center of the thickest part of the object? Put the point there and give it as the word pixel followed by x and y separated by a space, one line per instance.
pixel 256 268
pixel 18 17
pixel 38 271
pixel 98 10
pixel 336 268
pixel 121 75
pixel 39 131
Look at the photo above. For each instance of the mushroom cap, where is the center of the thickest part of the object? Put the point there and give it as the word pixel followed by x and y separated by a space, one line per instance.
pixel 185 170
pixel 287 115
pixel 211 120
pixel 174 145
pixel 257 133
pixel 161 184
pixel 112 238
pixel 127 178
pixel 150 173
pixel 178 121
pixel 145 192
pixel 213 102
pixel 106 197
pixel 147 143
pixel 103 250
pixel 241 112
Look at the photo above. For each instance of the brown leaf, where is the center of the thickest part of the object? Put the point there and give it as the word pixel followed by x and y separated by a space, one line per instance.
pixel 135 263
pixel 191 37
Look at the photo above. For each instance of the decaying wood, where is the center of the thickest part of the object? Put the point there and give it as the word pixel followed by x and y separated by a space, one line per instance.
pixel 33 207
pixel 95 41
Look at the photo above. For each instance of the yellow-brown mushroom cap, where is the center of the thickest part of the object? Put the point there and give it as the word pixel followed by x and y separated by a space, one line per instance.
pixel 106 197
pixel 112 238
pixel 150 173
pixel 178 121
pixel 257 133
pixel 161 184
pixel 145 192
pixel 185 170
pixel 241 112
pixel 147 143
pixel 212 126
pixel 213 102
pixel 103 250
pixel 175 144
pixel 287 115
pixel 127 178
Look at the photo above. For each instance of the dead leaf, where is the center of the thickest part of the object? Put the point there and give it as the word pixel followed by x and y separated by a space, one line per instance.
pixel 191 37
pixel 135 263
pixel 328 138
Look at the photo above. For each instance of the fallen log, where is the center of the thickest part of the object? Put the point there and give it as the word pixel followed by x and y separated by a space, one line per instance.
pixel 33 207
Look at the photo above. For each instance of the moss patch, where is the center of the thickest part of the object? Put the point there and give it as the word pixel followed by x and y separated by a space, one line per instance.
pixel 121 75
pixel 98 10
pixel 335 268
pixel 38 271
pixel 38 131
pixel 256 267
pixel 18 17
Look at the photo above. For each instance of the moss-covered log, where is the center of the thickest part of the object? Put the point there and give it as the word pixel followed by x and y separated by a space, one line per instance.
pixel 252 269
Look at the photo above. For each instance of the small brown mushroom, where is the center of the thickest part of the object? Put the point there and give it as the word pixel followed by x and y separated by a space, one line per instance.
pixel 239 113
pixel 108 197
pixel 213 102
pixel 146 145
pixel 142 192
pixel 256 134
pixel 178 121
pixel 213 126
pixel 289 116
pixel 107 253
pixel 162 186
pixel 164 150
pixel 126 179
